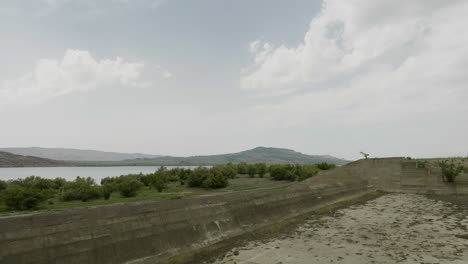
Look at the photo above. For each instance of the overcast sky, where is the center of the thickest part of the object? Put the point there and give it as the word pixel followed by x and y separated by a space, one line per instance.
pixel 181 77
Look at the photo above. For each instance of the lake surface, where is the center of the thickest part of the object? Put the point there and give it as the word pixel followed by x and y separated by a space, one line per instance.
pixel 70 173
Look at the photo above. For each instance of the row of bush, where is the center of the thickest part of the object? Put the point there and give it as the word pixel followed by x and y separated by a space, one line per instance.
pixel 28 193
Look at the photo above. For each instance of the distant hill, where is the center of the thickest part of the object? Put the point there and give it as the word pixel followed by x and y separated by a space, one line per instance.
pixel 12 160
pixel 259 154
pixel 76 154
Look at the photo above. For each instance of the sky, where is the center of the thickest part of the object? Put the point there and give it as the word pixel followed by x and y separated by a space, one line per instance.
pixel 180 77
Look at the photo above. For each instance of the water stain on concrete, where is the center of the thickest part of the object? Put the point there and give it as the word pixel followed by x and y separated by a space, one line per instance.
pixel 395 228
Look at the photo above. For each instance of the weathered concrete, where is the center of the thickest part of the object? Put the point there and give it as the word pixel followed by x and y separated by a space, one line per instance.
pixel 395 228
pixel 400 175
pixel 153 231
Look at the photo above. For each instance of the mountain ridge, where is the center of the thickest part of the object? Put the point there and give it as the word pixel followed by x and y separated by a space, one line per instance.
pixel 267 155
pixel 9 160
pixel 71 154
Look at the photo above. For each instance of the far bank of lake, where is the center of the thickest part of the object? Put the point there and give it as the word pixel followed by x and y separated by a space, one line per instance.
pixel 70 173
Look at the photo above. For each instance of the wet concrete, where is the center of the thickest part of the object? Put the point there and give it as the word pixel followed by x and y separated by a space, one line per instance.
pixel 395 228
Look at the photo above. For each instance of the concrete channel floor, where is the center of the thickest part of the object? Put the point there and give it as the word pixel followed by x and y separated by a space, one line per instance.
pixel 395 228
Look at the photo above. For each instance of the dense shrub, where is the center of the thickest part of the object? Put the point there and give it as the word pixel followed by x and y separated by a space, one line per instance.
pixel 242 168
pixel 229 171
pixel 108 180
pixel 292 172
pixel 107 190
pixel 325 166
pixel 277 172
pixel 145 179
pixel 39 183
pixel 129 187
pixel 261 169
pixel 159 181
pixel 421 164
pixel 197 177
pixel 183 176
pixel 21 198
pixel 174 175
pixel 450 169
pixel 207 178
pixel 3 185
pixel 251 170
pixel 305 171
pixel 83 189
pixel 215 179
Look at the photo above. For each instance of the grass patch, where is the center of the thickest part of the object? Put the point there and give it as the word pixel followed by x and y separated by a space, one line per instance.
pixel 217 250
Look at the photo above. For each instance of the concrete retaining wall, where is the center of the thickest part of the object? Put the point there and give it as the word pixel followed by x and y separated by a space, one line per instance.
pixel 401 175
pixel 153 231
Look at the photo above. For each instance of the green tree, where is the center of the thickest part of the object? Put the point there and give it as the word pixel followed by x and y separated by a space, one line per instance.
pixel 197 177
pixel 159 181
pixel 215 179
pixel 325 166
pixel 23 198
pixel 242 168
pixel 129 187
pixel 146 179
pixel 230 171
pixel 107 190
pixel 183 176
pixel 261 169
pixel 277 172
pixel 3 185
pixel 251 170
pixel 83 189
pixel 306 171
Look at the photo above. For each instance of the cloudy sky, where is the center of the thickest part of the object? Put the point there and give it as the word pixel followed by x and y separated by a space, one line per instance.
pixel 180 77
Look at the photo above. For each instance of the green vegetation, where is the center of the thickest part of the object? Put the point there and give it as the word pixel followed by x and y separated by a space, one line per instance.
pixel 261 169
pixel 230 170
pixel 292 172
pixel 451 169
pixel 3 185
pixel 421 164
pixel 18 198
pixel 34 192
pixel 129 187
pixel 82 189
pixel 325 166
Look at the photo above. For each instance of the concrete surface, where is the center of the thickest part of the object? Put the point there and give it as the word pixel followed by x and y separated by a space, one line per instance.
pixel 395 228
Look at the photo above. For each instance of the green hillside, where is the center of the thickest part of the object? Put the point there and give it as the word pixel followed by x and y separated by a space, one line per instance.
pixel 259 154
pixel 12 160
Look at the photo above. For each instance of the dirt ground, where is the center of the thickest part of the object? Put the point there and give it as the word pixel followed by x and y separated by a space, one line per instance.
pixel 395 228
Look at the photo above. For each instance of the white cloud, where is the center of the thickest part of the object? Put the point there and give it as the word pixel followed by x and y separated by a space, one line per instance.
pixel 351 37
pixel 76 71
pixel 166 74
pixel 366 61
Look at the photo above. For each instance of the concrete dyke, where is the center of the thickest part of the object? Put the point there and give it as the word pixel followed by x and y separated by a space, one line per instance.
pixel 403 175
pixel 153 231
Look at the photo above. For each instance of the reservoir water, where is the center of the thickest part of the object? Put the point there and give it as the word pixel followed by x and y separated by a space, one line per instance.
pixel 70 173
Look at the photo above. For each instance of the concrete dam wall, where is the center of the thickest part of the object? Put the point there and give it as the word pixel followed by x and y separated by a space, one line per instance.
pixel 150 232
